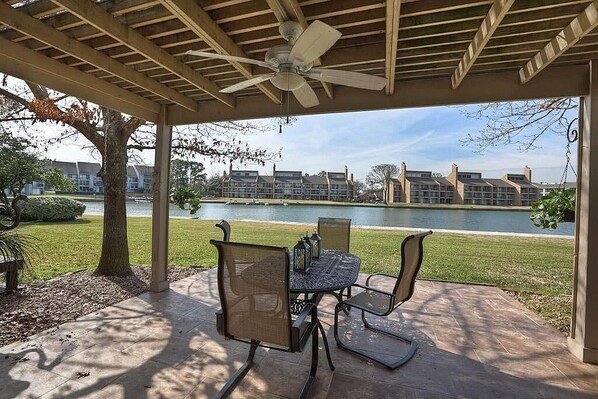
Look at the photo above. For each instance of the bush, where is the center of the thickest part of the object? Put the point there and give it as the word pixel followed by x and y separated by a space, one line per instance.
pixel 51 209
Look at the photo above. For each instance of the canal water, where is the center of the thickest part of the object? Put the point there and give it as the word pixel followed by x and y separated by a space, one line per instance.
pixel 446 219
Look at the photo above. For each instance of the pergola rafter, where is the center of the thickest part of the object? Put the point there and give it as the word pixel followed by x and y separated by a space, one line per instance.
pixel 495 16
pixel 33 27
pixel 393 11
pixel 210 32
pixel 106 23
pixel 583 24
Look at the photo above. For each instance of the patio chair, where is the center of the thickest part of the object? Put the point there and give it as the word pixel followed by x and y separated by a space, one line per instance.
pixel 260 313
pixel 335 233
pixel 225 227
pixel 382 303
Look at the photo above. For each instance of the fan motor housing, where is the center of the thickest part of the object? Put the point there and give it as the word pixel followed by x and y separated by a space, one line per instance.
pixel 287 81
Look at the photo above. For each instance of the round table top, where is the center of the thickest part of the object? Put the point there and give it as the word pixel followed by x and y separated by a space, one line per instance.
pixel 332 271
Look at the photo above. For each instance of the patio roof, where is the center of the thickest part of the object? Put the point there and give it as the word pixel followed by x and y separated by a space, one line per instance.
pixel 473 342
pixel 130 55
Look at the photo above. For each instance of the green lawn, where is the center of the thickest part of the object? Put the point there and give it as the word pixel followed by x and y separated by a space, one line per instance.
pixel 526 265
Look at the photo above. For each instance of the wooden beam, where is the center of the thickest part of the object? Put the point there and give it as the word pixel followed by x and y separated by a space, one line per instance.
pixel 290 10
pixel 160 204
pixel 23 63
pixel 393 15
pixel 568 81
pixel 583 24
pixel 35 28
pixel 105 22
pixel 203 26
pixel 495 16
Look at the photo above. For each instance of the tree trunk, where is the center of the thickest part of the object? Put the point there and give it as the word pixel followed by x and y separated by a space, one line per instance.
pixel 114 260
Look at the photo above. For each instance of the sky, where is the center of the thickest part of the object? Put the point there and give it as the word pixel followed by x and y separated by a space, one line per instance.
pixel 423 138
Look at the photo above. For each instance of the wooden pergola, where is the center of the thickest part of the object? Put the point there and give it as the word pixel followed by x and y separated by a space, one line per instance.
pixel 129 55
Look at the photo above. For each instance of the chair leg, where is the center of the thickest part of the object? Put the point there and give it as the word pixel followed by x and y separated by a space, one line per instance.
pixel 314 365
pixel 391 365
pixel 323 333
pixel 232 383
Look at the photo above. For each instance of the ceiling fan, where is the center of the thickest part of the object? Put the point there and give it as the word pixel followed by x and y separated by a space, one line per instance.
pixel 291 63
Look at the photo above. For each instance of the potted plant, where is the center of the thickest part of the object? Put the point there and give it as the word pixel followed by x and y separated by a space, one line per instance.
pixel 556 207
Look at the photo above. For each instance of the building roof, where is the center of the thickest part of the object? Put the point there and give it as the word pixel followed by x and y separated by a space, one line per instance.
pixel 265 179
pixel 421 180
pixel 442 180
pixel 498 183
pixel 68 168
pixel 474 182
pixel 90 168
pixel 315 179
pixel 243 179
pixel 144 169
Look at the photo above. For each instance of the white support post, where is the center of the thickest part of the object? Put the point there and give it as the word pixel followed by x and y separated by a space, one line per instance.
pixel 161 202
pixel 583 341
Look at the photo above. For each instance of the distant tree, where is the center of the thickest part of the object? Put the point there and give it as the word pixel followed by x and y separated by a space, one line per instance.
pixel 20 164
pixel 184 172
pixel 322 173
pixel 381 175
pixel 359 187
pixel 213 186
pixel 116 137
pixel 437 174
pixel 520 123
pixel 57 180
pixel 306 174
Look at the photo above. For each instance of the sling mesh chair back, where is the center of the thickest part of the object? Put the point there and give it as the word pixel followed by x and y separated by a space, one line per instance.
pixel 335 233
pixel 225 227
pixel 380 302
pixel 254 290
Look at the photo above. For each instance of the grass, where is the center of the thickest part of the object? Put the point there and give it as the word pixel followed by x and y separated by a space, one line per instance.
pixel 531 267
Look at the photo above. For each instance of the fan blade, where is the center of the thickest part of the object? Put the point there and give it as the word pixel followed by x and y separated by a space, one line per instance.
pixel 247 83
pixel 230 58
pixel 313 42
pixel 347 78
pixel 306 96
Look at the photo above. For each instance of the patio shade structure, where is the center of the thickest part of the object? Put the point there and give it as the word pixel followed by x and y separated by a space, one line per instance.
pixel 129 55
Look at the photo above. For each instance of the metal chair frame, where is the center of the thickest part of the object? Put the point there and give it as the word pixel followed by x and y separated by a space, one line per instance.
pixel 392 305
pixel 298 339
pixel 225 227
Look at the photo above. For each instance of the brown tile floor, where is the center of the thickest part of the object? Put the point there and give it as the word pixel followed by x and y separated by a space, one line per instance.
pixel 474 342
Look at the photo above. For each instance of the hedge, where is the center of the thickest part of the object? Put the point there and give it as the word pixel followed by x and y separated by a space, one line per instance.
pixel 51 209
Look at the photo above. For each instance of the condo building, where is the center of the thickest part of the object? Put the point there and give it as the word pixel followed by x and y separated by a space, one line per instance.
pixel 460 187
pixel 84 175
pixel 285 184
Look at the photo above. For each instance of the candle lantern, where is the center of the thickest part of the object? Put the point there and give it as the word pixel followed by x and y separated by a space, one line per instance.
pixel 300 255
pixel 315 241
pixel 309 252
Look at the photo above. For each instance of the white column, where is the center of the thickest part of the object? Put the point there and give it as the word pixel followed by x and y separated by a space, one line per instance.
pixel 161 201
pixel 583 341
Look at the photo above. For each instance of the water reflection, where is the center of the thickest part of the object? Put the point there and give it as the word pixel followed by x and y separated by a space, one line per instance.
pixel 450 219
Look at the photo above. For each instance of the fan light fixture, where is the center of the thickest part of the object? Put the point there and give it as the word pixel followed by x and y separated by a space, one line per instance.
pixel 291 63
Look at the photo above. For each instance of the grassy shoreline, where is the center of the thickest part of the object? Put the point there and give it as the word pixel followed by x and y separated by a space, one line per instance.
pixel 532 267
pixel 276 202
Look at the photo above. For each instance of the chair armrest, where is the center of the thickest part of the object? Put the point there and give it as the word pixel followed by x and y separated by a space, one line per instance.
pixel 367 281
pixel 307 310
pixel 367 287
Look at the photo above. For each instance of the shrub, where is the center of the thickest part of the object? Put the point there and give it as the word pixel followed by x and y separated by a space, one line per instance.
pixel 51 209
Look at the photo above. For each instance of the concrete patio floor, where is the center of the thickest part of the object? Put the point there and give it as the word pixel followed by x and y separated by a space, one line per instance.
pixel 474 342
